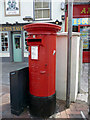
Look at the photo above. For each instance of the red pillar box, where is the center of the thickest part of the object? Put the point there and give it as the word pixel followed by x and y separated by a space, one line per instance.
pixel 42 67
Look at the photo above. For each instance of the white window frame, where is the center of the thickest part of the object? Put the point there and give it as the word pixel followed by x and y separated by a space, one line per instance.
pixel 42 12
pixel 0 42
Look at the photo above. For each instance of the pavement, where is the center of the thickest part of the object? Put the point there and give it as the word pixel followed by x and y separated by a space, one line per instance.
pixel 84 80
pixel 83 96
pixel 78 109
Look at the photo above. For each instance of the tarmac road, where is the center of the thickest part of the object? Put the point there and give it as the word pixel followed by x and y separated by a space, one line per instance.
pixel 7 67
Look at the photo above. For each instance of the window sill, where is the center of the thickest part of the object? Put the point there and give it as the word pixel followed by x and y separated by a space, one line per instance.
pixel 43 19
pixel 4 54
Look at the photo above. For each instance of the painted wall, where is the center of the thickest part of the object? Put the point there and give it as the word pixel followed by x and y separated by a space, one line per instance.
pixel 61 65
pixel 26 9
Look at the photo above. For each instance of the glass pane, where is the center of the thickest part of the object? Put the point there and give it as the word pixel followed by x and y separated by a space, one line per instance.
pixel 84 37
pixel 46 13
pixel 4 41
pixel 2 36
pixel 75 28
pixel 45 4
pixel 38 5
pixel 38 13
pixel 17 43
pixel 3 48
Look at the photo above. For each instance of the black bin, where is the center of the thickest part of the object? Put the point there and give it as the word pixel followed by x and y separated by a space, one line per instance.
pixel 19 87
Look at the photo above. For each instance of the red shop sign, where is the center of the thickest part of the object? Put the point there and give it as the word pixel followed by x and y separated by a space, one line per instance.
pixel 81 11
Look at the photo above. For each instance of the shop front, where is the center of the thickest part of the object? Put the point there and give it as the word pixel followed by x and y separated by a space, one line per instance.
pixel 13 46
pixel 13 43
pixel 81 23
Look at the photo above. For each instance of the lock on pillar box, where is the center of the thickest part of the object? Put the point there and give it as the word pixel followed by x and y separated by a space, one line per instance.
pixel 42 68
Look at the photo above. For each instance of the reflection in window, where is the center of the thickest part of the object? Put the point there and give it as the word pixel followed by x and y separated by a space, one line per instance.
pixel 17 42
pixel 4 42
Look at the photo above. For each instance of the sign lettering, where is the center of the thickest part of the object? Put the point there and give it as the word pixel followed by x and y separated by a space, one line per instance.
pixel 80 21
pixel 81 11
pixel 85 11
pixel 11 28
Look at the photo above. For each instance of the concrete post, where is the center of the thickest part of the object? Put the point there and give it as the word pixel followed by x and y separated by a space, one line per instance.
pixel 70 16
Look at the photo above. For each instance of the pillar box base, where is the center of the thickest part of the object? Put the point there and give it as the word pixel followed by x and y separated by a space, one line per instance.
pixel 42 107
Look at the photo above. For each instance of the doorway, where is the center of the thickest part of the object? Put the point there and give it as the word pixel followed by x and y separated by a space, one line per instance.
pixel 17 48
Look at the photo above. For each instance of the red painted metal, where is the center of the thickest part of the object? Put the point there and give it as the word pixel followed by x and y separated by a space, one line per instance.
pixel 86 56
pixel 42 70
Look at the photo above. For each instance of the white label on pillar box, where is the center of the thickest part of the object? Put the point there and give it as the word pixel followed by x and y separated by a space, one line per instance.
pixel 34 52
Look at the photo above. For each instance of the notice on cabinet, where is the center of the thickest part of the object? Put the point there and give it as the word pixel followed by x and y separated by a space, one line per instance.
pixel 34 52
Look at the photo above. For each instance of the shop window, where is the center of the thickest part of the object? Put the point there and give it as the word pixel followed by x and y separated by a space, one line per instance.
pixel 85 36
pixel 4 42
pixel 25 46
pixel 42 9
